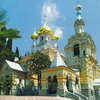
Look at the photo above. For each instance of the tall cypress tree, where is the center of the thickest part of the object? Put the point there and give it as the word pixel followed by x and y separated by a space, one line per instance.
pixel 6 45
pixel 9 44
pixel 2 39
pixel 17 51
pixel 2 43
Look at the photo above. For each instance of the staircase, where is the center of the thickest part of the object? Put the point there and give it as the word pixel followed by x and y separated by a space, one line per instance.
pixel 33 98
pixel 75 96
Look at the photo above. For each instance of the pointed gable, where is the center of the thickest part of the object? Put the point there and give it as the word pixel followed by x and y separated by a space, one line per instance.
pixel 14 66
pixel 58 61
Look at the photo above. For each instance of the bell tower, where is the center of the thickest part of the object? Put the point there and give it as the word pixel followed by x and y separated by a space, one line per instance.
pixel 80 54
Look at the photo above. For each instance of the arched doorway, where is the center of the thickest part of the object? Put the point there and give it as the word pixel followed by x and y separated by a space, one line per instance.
pixel 49 90
pixel 77 83
pixel 54 84
pixel 69 83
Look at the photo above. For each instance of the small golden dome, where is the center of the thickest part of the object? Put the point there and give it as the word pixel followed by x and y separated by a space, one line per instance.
pixel 55 37
pixel 44 30
pixel 34 36
pixel 78 7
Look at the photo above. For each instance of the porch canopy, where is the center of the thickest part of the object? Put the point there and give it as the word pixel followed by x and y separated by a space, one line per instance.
pixel 15 66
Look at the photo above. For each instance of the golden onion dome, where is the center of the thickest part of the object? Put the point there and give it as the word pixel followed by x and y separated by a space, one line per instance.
pixel 34 36
pixel 55 37
pixel 44 30
pixel 78 7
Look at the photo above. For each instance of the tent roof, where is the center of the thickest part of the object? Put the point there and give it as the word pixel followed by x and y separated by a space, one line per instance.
pixel 58 61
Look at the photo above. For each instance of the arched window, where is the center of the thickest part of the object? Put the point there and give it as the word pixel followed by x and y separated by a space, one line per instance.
pixel 41 38
pixel 84 53
pixel 76 50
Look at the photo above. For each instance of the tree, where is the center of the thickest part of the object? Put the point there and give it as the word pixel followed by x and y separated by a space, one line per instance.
pixel 7 84
pixel 10 33
pixel 1 84
pixel 38 62
pixel 6 54
pixel 4 32
pixel 17 52
pixel 3 19
pixel 6 38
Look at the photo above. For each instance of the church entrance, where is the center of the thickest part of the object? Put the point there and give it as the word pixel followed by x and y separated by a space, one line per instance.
pixel 52 85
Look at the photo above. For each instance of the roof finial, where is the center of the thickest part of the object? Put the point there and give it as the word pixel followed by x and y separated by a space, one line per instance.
pixel 78 9
pixel 79 23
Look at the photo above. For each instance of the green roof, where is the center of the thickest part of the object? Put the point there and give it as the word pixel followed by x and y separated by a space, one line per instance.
pixel 79 22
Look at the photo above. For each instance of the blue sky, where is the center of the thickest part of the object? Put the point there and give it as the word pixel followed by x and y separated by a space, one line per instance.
pixel 25 15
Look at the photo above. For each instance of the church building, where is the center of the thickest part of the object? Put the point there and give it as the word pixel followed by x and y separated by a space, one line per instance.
pixel 74 74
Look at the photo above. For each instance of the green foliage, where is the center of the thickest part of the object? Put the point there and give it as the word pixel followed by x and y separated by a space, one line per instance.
pixel 6 37
pixel 38 62
pixel 9 44
pixel 7 84
pixel 2 43
pixel 6 54
pixel 10 33
pixel 4 32
pixel 17 52
pixel 3 18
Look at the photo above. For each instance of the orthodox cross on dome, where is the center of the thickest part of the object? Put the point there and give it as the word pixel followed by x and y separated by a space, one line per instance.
pixel 78 9
pixel 79 22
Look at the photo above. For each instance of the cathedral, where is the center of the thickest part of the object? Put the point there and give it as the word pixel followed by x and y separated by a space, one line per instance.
pixel 74 74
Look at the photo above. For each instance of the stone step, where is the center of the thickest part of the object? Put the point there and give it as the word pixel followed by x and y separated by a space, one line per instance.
pixel 32 98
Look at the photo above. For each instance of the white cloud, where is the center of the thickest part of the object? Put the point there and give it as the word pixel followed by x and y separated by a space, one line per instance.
pixel 50 15
pixel 58 32
pixel 50 12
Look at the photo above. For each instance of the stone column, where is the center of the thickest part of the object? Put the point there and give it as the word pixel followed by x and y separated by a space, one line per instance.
pixel 44 84
pixel 86 80
pixel 61 87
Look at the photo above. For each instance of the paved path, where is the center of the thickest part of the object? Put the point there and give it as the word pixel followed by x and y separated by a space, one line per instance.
pixel 32 98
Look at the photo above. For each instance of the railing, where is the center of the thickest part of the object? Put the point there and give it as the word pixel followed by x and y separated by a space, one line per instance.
pixel 75 60
pixel 82 96
pixel 75 96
